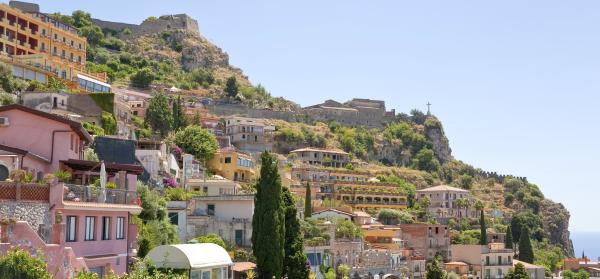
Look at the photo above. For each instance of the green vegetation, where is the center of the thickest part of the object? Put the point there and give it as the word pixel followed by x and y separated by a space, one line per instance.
pixel 394 217
pixel 93 129
pixel 346 229
pixel 177 194
pixel 179 119
pixel 109 123
pixel 212 238
pixel 508 240
pixel 158 115
pixel 104 100
pixel 519 272
pixel 154 228
pixel 467 237
pixel 268 221
pixel 581 274
pixel 307 202
pixel 17 263
pixel 483 229
pixel 197 141
pixel 294 263
pixel 435 270
pixel 525 248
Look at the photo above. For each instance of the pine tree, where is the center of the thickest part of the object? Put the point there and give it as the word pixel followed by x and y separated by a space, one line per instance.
pixel 179 120
pixel 307 202
pixel 525 249
pixel 294 263
pixel 483 239
pixel 268 222
pixel 508 240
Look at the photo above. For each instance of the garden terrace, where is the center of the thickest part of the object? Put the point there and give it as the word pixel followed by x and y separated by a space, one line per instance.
pixel 79 193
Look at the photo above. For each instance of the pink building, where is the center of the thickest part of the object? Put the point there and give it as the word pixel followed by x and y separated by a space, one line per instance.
pixel 76 224
pixel 36 141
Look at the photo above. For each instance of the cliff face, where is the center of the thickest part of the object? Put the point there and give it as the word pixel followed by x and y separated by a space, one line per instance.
pixel 441 145
pixel 555 219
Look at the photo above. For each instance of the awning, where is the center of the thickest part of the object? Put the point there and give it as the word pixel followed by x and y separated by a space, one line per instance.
pixel 93 80
pixel 190 256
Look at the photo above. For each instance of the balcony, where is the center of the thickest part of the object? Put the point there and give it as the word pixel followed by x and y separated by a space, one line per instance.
pixel 79 193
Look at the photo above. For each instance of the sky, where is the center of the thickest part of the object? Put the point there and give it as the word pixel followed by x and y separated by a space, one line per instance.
pixel 515 83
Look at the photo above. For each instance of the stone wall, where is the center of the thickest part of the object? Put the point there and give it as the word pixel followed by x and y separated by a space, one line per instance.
pixel 34 213
pixel 164 23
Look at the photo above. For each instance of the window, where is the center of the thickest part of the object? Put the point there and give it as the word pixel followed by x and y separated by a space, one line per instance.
pixel 105 228
pixel 174 218
pixel 239 237
pixel 210 210
pixel 72 142
pixel 90 229
pixel 71 228
pixel 120 227
pixel 227 160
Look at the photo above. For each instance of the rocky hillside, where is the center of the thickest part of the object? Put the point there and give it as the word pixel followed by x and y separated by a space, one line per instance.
pixel 171 51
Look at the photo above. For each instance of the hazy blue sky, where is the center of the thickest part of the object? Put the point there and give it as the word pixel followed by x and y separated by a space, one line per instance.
pixel 514 82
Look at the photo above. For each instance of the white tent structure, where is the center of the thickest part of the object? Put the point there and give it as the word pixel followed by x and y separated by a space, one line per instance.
pixel 205 260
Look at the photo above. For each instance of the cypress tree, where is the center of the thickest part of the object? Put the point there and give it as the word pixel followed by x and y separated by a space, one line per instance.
pixel 307 202
pixel 268 222
pixel 179 120
pixel 294 263
pixel 525 249
pixel 508 240
pixel 483 238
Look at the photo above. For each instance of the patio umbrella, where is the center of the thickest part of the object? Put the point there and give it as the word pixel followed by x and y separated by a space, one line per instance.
pixel 102 197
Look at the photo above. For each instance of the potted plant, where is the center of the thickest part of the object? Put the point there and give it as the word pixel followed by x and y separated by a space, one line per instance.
pixel 62 175
pixel 17 175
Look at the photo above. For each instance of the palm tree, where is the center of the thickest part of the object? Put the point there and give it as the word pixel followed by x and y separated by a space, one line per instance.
pixel 458 204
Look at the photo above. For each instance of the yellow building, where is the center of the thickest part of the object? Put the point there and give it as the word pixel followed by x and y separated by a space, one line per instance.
pixel 233 165
pixel 38 47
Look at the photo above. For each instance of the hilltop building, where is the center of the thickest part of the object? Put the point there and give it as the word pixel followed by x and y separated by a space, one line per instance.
pixel 321 157
pixel 39 47
pixel 251 135
pixel 443 203
pixel 357 112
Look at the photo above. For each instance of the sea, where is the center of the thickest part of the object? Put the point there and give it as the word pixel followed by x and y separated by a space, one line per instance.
pixel 588 242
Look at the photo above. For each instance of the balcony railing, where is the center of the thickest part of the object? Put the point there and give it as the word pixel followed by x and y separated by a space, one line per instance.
pixel 81 193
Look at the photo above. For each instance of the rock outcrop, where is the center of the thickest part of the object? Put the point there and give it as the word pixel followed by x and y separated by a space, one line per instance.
pixel 555 219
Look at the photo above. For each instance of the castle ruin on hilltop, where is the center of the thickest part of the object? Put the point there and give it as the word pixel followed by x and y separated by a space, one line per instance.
pixel 178 22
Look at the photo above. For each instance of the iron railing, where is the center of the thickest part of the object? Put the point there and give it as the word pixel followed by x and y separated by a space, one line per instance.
pixel 96 194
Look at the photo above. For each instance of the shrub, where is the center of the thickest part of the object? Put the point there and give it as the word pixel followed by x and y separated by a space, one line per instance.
pixel 143 78
pixel 19 264
pixel 177 194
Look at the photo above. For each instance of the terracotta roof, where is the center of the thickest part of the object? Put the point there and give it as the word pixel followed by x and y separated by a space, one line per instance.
pixel 243 266
pixel 442 188
pixel 76 126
